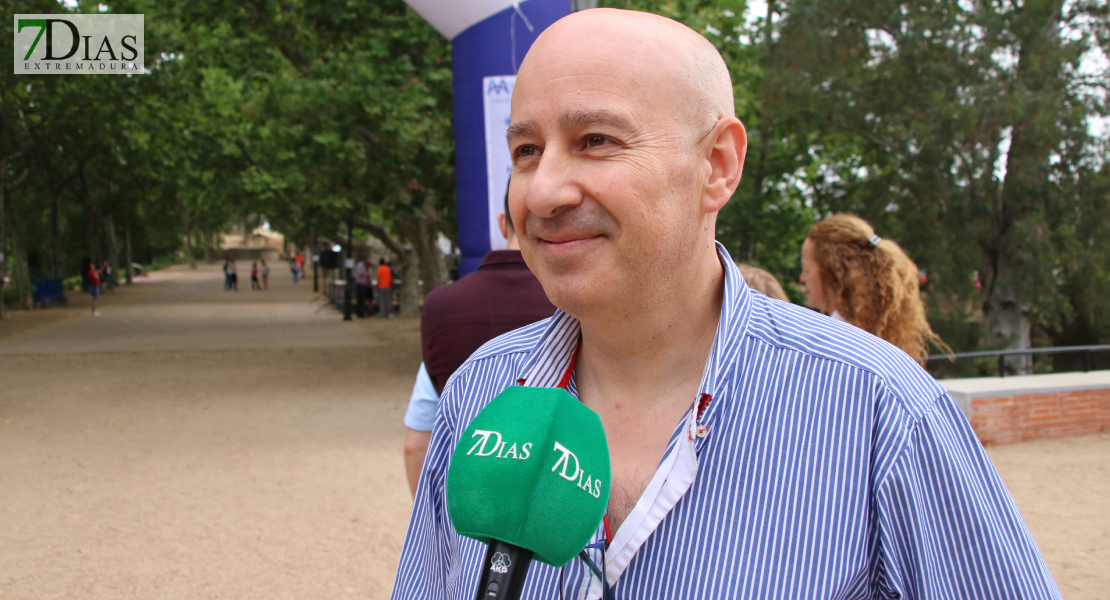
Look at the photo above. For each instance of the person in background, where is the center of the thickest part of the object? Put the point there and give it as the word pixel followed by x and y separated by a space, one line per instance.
pixel 264 269
pixel 457 319
pixel 763 282
pixel 362 286
pixel 227 274
pixel 255 284
pixel 385 289
pixel 108 277
pixel 232 274
pixel 299 259
pixel 294 269
pixel 93 276
pixel 853 275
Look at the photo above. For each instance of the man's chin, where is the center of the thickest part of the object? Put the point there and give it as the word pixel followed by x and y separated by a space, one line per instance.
pixel 575 294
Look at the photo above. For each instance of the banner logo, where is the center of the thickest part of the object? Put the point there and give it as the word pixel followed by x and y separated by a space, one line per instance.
pixel 63 44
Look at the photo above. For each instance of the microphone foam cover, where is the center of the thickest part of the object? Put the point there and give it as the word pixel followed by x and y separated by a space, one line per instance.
pixel 532 469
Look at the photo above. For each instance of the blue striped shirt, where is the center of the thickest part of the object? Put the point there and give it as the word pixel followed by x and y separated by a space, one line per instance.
pixel 830 465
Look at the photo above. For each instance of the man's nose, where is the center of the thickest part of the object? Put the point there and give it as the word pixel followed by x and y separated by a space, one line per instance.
pixel 553 188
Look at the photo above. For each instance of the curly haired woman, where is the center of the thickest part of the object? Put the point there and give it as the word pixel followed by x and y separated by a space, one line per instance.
pixel 857 277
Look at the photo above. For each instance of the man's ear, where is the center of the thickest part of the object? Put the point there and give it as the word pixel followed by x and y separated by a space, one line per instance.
pixel 728 143
pixel 502 226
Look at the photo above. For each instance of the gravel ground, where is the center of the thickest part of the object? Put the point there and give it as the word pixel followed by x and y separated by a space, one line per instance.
pixel 195 443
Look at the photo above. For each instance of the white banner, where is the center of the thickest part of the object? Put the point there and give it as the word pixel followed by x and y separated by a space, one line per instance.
pixel 72 44
pixel 497 95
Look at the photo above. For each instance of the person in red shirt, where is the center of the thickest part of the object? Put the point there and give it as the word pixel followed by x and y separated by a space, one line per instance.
pixel 94 286
pixel 385 289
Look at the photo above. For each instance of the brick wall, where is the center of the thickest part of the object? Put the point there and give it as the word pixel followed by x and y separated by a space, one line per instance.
pixel 1017 417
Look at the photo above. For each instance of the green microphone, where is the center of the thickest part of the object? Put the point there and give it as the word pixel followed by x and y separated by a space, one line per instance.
pixel 530 478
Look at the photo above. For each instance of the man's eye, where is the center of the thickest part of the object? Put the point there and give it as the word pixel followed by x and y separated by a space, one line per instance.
pixel 596 140
pixel 524 151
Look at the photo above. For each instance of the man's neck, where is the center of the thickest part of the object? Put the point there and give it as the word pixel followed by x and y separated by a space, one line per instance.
pixel 644 356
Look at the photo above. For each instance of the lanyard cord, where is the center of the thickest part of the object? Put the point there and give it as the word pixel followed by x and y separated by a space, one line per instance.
pixel 565 381
pixel 603 544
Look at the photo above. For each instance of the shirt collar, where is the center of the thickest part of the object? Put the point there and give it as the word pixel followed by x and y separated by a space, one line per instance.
pixel 501 257
pixel 551 355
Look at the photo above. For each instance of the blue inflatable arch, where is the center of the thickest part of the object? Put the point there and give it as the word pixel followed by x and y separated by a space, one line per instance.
pixel 489 40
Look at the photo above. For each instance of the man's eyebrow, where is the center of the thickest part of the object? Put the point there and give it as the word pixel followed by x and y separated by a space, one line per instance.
pixel 572 120
pixel 583 118
pixel 519 130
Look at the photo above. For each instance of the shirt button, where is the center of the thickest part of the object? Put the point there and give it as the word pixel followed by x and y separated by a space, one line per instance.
pixel 703 430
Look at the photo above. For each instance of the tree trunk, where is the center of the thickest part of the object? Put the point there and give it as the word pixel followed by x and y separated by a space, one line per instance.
pixel 189 246
pixel 56 236
pixel 1014 251
pixel 1008 323
pixel 410 285
pixel 3 242
pixel 93 232
pixel 127 250
pixel 19 252
pixel 209 253
pixel 92 216
pixel 747 243
pixel 113 251
pixel 422 230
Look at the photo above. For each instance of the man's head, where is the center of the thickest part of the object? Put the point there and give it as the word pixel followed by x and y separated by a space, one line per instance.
pixel 625 146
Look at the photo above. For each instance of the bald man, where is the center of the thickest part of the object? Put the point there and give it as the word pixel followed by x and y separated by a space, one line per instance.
pixel 758 450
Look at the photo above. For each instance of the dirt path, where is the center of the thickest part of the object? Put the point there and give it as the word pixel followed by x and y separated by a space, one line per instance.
pixel 1062 488
pixel 194 443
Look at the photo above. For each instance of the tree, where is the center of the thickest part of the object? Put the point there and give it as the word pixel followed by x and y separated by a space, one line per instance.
pixel 342 112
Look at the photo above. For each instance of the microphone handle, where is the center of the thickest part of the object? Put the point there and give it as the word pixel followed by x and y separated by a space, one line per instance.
pixel 503 571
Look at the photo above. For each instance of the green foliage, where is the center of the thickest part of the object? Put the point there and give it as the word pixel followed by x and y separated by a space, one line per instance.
pixel 903 113
pixel 163 261
pixel 958 128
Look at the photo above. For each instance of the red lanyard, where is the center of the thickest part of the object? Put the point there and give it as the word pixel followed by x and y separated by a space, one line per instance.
pixel 565 381
pixel 700 405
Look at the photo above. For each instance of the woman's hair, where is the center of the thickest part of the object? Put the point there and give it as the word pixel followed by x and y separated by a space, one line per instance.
pixel 872 284
pixel 762 281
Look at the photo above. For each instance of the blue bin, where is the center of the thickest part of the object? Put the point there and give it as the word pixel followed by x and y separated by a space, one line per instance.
pixel 49 291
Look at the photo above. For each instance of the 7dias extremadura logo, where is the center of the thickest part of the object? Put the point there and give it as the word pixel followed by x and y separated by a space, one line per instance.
pixel 61 44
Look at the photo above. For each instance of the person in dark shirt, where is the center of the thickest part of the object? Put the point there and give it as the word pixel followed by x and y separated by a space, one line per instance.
pixel 502 295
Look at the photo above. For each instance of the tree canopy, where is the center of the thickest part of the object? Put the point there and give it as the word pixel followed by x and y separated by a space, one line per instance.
pixel 967 130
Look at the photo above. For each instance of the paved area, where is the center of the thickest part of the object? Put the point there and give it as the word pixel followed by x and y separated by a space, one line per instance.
pixel 1062 488
pixel 179 309
pixel 193 443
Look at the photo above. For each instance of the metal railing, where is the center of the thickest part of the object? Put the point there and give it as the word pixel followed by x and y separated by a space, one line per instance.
pixel 1002 354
